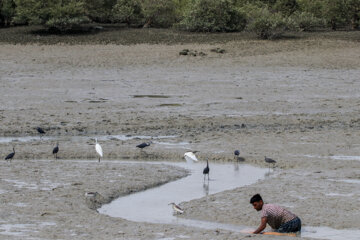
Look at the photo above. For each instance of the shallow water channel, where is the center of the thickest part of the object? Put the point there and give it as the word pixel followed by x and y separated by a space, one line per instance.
pixel 152 205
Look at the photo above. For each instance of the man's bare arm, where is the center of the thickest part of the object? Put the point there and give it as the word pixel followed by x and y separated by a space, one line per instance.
pixel 262 225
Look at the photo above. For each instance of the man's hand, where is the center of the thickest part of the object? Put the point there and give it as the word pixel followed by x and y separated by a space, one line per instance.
pixel 262 225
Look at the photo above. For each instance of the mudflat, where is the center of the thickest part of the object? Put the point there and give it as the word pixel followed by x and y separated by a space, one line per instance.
pixel 296 101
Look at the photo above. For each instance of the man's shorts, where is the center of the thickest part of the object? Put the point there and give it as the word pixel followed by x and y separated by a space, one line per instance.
pixel 290 226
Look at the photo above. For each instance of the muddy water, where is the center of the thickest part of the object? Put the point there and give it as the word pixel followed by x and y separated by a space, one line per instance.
pixel 152 205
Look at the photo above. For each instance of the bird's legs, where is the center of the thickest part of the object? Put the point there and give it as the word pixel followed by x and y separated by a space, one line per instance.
pixel 99 159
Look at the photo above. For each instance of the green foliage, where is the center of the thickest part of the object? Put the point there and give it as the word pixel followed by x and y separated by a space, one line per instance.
pixel 99 10
pixel 286 7
pixel 354 13
pixel 28 11
pixel 314 7
pixel 128 11
pixel 336 13
pixel 213 16
pixel 7 12
pixel 269 25
pixel 271 16
pixel 305 21
pixel 61 15
pixel 159 13
pixel 268 2
pixel 181 6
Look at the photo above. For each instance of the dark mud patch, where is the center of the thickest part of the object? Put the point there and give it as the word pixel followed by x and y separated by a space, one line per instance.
pixel 171 105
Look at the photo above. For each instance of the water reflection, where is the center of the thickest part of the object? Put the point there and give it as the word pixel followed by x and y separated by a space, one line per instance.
pixel 269 173
pixel 240 159
pixel 236 167
pixel 206 188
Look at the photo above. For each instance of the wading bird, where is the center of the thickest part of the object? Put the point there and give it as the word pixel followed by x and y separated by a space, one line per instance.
pixel 190 157
pixel 237 156
pixel 10 156
pixel 56 150
pixel 40 130
pixel 206 170
pixel 98 149
pixel 176 208
pixel 143 145
pixel 237 153
pixel 270 161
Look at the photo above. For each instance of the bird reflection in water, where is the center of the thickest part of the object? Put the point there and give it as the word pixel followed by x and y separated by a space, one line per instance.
pixel 268 174
pixel 236 167
pixel 206 188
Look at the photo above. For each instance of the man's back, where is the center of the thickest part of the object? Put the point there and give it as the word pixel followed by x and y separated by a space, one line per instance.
pixel 276 215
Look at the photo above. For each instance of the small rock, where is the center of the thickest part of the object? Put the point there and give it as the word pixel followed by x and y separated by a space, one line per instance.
pixel 218 50
pixel 184 52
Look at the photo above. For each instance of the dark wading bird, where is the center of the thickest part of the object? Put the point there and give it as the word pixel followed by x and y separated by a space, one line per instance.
pixel 10 156
pixel 237 153
pixel 40 130
pixel 237 156
pixel 270 161
pixel 206 170
pixel 143 145
pixel 56 150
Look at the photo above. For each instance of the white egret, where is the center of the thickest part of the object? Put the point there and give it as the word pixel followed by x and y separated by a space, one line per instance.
pixel 98 149
pixel 176 208
pixel 190 157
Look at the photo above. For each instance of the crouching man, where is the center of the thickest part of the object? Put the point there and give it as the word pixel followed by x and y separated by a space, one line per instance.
pixel 280 219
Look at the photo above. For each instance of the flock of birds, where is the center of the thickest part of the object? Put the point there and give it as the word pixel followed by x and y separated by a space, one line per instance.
pixel 41 131
pixel 189 157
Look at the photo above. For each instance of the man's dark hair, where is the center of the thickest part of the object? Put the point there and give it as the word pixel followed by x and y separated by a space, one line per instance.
pixel 255 198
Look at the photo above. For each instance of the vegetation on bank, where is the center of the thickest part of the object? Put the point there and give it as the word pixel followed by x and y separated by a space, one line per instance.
pixel 268 19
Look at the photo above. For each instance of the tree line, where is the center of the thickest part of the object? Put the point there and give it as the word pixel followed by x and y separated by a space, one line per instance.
pixel 267 18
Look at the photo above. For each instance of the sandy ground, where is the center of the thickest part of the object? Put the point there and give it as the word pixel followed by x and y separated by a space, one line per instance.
pixel 296 101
